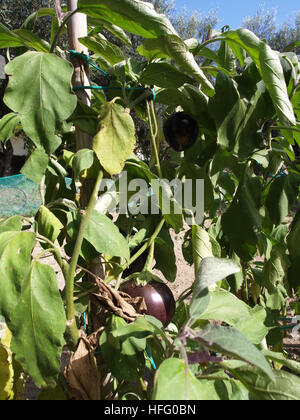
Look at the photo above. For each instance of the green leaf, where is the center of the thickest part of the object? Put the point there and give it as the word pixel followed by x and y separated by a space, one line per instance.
pixel 107 50
pixel 132 337
pixel 273 76
pixel 115 140
pixel 226 57
pixel 13 223
pixel 31 19
pixel 102 233
pixel 274 273
pixel 8 38
pixel 38 325
pixel 284 387
pixel 229 341
pixel 85 118
pixel 201 246
pixel 134 16
pixel 15 258
pixel 164 75
pixel 47 99
pixel 36 165
pixel 122 365
pixel 174 382
pixel 33 41
pixel 116 30
pixel 242 221
pixel 283 360
pixel 270 68
pixel 226 307
pixel 48 224
pixel 82 160
pixel 8 126
pixel 211 271
pixel 172 46
pixel 164 255
pixel 282 195
pixel 236 117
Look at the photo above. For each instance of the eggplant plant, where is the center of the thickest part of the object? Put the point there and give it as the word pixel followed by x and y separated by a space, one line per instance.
pixel 222 338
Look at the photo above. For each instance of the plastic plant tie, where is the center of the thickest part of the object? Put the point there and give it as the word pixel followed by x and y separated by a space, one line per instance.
pixel 86 58
pixel 151 358
pixel 114 88
pixel 287 327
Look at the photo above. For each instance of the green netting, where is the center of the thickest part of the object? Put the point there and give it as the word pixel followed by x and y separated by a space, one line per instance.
pixel 19 196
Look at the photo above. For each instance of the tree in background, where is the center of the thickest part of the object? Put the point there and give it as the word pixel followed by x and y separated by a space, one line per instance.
pixel 263 24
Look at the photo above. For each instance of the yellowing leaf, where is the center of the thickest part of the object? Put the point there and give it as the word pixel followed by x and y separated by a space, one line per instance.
pixel 115 140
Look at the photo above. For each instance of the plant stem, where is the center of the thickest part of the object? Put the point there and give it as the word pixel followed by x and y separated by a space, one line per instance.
pixel 284 128
pixel 62 264
pixel 141 98
pixel 64 22
pixel 153 133
pixel 42 190
pixel 71 323
pixel 145 246
pixel 149 262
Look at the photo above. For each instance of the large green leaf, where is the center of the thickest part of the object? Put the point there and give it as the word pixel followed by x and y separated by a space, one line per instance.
pixel 270 68
pixel 121 355
pixel 164 75
pixel 33 41
pixel 284 387
pixel 226 307
pixel 38 325
pixel 274 273
pixel 242 221
pixel 236 117
pixel 15 257
pixel 132 15
pixel 8 38
pixel 211 271
pixel 174 382
pixel 229 341
pixel 13 223
pixel 47 98
pixel 201 246
pixel 112 53
pixel 115 140
pixel 48 224
pixel 102 233
pixel 172 46
pixel 281 196
pixel 36 165
pixel 164 255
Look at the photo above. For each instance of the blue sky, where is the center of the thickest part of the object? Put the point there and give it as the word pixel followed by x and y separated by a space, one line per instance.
pixel 231 12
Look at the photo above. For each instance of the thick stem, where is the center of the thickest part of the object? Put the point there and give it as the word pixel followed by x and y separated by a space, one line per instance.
pixel 145 246
pixel 73 264
pixel 61 27
pixel 153 133
pixel 149 262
